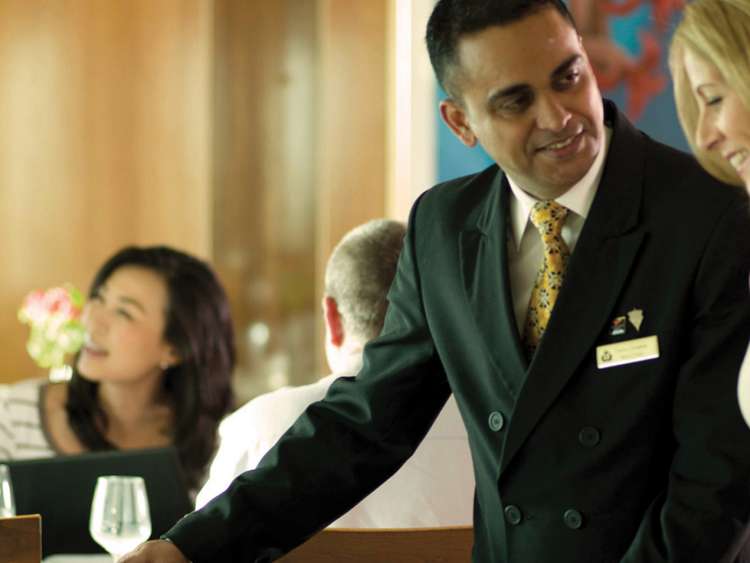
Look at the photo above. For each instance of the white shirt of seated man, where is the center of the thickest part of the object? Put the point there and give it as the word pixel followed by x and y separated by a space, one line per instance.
pixel 435 487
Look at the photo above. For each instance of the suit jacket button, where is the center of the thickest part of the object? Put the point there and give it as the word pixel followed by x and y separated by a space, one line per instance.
pixel 573 519
pixel 589 436
pixel 496 421
pixel 513 515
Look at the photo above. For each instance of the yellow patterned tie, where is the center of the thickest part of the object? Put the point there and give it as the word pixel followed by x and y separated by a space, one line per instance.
pixel 548 217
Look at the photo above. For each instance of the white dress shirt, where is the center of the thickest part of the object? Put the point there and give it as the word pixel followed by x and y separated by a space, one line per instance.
pixel 435 487
pixel 525 248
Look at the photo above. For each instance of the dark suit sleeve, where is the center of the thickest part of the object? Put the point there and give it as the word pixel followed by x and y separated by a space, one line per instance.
pixel 339 450
pixel 703 513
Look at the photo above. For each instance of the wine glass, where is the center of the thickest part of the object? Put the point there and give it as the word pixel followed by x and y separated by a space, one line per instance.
pixel 120 519
pixel 7 504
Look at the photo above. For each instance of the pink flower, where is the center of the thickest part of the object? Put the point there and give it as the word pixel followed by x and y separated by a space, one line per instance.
pixel 53 317
pixel 34 308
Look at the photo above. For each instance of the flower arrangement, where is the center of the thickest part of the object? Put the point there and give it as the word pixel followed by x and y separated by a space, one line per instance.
pixel 56 330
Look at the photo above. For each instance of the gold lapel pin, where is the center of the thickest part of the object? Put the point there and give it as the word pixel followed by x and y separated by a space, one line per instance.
pixel 636 318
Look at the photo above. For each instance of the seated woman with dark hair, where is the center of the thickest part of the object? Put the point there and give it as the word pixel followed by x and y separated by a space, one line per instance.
pixel 155 369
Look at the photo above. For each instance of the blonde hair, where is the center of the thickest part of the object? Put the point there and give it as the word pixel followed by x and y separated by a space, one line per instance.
pixel 718 31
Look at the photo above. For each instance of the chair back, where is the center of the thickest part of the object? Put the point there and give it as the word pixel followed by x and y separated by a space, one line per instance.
pixel 21 539
pixel 386 545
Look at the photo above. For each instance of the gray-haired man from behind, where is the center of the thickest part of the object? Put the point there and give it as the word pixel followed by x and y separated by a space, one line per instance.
pixel 434 488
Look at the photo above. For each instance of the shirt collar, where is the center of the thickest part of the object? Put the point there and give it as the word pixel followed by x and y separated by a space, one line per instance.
pixel 577 199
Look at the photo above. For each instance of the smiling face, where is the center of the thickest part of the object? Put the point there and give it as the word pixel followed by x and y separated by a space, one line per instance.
pixel 723 125
pixel 529 97
pixel 125 322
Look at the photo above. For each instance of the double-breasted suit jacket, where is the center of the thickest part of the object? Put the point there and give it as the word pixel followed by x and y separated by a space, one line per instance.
pixel 647 461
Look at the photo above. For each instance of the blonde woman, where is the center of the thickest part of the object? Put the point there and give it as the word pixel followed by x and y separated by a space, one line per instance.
pixel 711 72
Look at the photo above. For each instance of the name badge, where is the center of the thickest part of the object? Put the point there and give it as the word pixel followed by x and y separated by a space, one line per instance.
pixel 628 352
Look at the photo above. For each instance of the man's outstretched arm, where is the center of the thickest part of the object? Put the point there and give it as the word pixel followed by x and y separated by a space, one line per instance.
pixel 336 453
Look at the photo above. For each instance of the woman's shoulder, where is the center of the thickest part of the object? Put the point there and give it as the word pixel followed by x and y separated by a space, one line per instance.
pixel 30 396
pixel 21 430
pixel 21 395
pixel 23 387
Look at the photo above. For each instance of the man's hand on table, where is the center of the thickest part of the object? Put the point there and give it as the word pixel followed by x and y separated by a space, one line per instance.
pixel 155 551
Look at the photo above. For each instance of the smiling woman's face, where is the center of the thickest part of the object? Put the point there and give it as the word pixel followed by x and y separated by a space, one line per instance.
pixel 723 125
pixel 125 322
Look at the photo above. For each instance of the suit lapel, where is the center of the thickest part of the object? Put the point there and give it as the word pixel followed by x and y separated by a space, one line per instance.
pixel 597 272
pixel 483 254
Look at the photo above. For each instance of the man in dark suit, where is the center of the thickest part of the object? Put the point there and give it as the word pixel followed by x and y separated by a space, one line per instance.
pixel 586 302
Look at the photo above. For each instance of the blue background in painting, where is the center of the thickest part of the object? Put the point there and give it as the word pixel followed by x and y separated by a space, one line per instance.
pixel 659 119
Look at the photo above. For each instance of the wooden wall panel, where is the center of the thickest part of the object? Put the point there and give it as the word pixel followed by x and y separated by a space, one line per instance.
pixel 104 135
pixel 300 155
pixel 246 131
pixel 264 185
pixel 352 133
pixel 353 62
